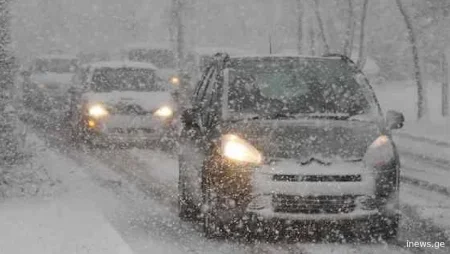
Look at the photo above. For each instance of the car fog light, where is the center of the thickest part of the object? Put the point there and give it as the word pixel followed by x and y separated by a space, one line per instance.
pixel 91 123
pixel 260 202
pixel 366 202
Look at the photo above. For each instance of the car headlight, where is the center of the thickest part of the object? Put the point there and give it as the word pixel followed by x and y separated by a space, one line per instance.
pixel 236 148
pixel 164 112
pixel 380 159
pixel 380 153
pixel 174 80
pixel 97 111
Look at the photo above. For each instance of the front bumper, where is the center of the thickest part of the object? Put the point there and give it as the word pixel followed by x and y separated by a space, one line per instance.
pixel 317 193
pixel 105 133
pixel 268 212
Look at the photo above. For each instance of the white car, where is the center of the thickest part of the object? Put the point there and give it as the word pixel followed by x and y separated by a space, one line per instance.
pixel 273 142
pixel 119 102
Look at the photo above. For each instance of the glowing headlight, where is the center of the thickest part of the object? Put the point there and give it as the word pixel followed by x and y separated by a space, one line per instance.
pixel 164 112
pixel 380 152
pixel 97 111
pixel 174 80
pixel 238 149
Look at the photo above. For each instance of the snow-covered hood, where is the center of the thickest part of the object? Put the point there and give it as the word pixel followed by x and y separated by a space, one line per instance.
pixel 50 78
pixel 146 101
pixel 325 140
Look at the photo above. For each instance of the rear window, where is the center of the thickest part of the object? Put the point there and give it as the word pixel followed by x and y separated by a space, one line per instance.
pixel 125 79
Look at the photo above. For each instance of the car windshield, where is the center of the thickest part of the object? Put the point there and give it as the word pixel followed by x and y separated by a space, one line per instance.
pixel 56 65
pixel 162 58
pixel 297 86
pixel 125 79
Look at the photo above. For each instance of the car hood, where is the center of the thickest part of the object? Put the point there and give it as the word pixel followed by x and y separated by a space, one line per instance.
pixel 320 140
pixel 147 101
pixel 52 78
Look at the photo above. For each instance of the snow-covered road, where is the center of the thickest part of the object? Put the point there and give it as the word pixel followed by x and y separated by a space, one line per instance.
pixel 136 190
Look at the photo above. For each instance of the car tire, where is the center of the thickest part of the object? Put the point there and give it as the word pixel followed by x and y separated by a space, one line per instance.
pixel 212 226
pixel 187 210
pixel 389 228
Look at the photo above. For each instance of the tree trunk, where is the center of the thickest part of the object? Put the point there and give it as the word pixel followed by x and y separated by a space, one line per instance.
pixel 177 21
pixel 321 27
pixel 445 91
pixel 300 13
pixel 177 8
pixel 421 99
pixel 360 63
pixel 10 148
pixel 312 41
pixel 6 60
pixel 349 33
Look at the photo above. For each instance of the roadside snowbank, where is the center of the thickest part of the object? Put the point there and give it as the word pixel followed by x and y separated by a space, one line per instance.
pixel 64 225
pixel 51 206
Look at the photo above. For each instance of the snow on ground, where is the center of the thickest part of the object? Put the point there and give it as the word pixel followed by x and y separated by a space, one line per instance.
pixel 64 225
pixel 72 216
pixel 432 207
pixel 424 172
pixel 432 151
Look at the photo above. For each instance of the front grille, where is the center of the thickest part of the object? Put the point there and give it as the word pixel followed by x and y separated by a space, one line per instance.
pixel 317 178
pixel 313 204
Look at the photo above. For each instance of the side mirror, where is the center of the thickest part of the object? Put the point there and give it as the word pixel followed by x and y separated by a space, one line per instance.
pixel 394 120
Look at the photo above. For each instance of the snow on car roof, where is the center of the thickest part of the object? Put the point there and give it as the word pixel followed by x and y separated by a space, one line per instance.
pixel 121 64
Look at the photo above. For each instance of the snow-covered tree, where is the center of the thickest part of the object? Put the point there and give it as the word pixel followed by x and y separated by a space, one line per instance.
pixel 9 140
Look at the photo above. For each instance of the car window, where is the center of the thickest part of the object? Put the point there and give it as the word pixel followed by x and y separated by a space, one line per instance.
pixel 125 79
pixel 297 88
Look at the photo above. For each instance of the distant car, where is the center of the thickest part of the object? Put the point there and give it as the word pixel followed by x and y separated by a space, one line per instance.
pixel 120 103
pixel 286 139
pixel 48 80
pixel 162 56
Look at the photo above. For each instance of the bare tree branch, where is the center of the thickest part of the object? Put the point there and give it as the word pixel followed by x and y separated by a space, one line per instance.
pixel 421 101
pixel 321 27
pixel 300 13
pixel 360 61
pixel 349 33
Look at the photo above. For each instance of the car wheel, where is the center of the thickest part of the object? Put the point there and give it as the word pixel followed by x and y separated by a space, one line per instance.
pixel 187 210
pixel 212 226
pixel 389 228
